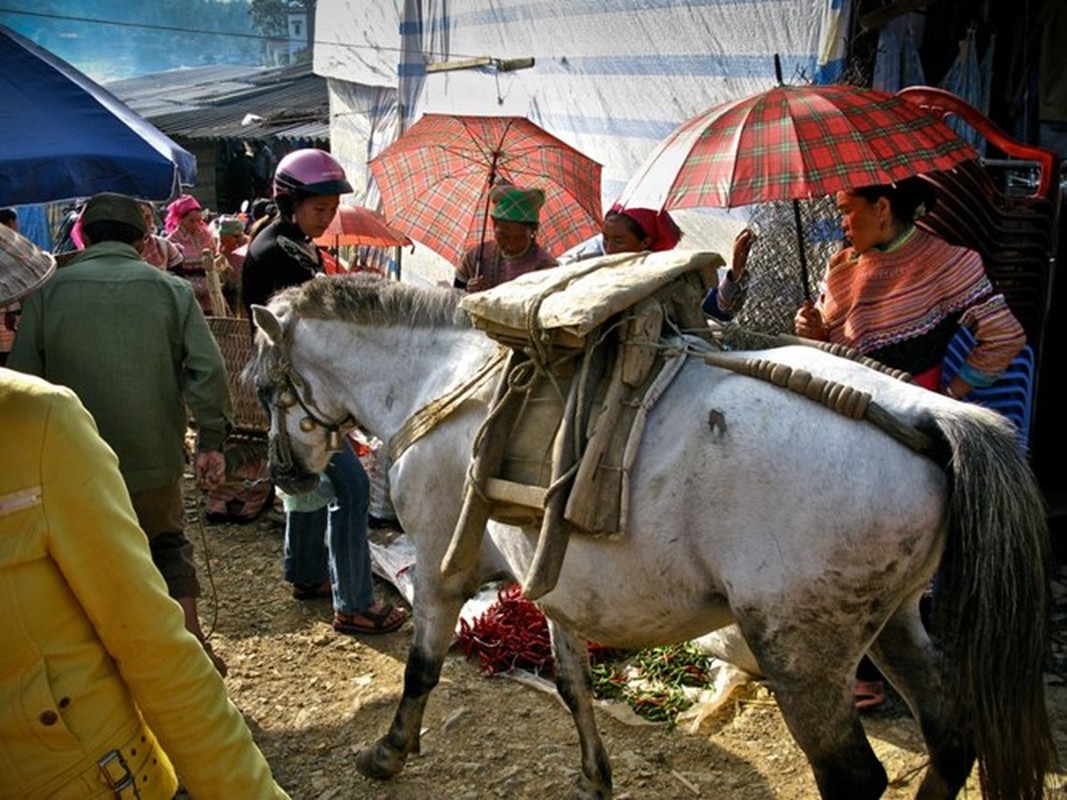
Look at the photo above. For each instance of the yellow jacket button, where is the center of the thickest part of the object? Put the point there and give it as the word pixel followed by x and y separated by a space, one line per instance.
pixel 49 718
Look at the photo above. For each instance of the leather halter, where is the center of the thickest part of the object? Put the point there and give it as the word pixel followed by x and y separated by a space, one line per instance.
pixel 294 391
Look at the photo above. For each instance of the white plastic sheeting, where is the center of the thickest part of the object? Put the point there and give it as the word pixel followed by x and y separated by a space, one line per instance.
pixel 610 77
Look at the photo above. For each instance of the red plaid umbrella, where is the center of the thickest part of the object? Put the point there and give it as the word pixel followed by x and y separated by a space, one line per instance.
pixel 435 181
pixel 355 225
pixel 792 143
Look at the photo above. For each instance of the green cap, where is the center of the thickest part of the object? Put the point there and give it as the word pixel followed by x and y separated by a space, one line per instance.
pixel 231 226
pixel 512 204
pixel 111 207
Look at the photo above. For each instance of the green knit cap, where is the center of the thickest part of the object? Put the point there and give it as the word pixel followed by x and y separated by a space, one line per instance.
pixel 512 204
pixel 231 226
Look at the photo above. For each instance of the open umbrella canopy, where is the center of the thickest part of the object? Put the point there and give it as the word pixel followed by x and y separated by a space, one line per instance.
pixel 435 181
pixel 793 142
pixel 356 225
pixel 65 136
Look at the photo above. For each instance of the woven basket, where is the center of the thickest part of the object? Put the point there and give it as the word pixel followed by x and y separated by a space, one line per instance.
pixel 235 342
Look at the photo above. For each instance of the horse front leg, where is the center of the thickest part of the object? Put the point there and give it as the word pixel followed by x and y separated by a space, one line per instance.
pixel 575 685
pixel 436 610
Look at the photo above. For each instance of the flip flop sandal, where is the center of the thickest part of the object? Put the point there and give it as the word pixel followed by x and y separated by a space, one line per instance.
pixel 868 694
pixel 368 621
pixel 311 591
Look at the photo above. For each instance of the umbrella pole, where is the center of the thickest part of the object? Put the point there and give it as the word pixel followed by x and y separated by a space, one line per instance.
pixel 485 222
pixel 796 208
pixel 803 252
pixel 488 200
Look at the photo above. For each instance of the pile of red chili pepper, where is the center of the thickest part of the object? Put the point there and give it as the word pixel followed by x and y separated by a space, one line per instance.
pixel 510 634
pixel 513 634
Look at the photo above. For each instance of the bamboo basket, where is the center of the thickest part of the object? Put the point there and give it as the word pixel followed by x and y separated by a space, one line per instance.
pixel 235 341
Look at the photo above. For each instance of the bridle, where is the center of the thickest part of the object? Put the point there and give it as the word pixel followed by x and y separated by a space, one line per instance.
pixel 295 391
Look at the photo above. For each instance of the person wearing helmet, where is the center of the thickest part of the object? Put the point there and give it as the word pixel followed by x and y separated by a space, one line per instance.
pixel 308 185
pixel 326 547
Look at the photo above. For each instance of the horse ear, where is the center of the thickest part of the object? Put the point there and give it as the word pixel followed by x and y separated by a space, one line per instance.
pixel 269 324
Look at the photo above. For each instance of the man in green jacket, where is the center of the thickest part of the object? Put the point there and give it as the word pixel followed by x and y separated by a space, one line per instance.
pixel 133 344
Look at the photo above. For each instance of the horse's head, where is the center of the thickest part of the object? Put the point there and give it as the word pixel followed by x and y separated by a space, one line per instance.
pixel 304 432
pixel 346 346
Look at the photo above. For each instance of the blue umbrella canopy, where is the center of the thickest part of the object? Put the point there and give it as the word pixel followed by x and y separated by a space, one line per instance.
pixel 65 136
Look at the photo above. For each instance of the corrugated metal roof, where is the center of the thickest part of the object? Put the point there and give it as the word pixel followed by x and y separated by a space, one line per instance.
pixel 227 102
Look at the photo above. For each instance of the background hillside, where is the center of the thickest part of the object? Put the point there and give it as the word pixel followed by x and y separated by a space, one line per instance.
pixel 112 39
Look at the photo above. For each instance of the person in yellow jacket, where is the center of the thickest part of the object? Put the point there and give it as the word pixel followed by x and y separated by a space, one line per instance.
pixel 103 691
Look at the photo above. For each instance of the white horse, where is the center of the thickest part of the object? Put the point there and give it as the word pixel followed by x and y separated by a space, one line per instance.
pixel 815 533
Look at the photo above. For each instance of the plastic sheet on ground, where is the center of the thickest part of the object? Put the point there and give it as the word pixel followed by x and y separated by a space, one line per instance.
pixel 395 562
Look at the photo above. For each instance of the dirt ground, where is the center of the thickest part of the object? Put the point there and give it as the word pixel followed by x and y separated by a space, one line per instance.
pixel 313 698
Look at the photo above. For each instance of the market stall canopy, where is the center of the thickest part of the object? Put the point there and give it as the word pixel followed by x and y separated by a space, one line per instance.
pixel 65 136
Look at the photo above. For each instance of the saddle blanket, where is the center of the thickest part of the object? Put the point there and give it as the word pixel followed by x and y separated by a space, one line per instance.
pixel 577 298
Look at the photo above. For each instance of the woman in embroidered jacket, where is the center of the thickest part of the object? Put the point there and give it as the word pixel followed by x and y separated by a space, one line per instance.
pixel 186 228
pixel 899 294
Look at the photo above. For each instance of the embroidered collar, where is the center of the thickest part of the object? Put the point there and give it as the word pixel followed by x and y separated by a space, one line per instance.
pixel 516 256
pixel 892 244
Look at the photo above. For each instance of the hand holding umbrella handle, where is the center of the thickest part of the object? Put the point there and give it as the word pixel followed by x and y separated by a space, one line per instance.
pixel 808 322
pixel 477 283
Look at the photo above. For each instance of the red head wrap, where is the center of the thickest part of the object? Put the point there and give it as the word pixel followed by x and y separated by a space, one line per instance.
pixel 662 231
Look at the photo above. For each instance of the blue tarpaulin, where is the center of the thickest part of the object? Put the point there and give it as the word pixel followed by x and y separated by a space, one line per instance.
pixel 66 137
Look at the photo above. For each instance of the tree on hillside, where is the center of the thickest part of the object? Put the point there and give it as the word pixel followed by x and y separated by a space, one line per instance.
pixel 271 18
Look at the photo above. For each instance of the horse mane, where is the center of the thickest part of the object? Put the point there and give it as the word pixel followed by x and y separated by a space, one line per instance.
pixel 368 299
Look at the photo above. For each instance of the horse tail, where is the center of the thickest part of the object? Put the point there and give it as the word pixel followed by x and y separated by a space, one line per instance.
pixel 992 607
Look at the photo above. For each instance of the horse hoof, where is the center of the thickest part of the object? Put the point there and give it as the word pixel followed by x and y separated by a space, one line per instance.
pixel 380 762
pixel 587 790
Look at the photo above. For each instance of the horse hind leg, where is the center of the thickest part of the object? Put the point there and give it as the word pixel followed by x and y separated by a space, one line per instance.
pixel 814 692
pixel 829 732
pixel 907 657
pixel 575 685
pixel 432 638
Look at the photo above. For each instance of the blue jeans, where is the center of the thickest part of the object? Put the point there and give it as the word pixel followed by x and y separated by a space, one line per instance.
pixel 331 543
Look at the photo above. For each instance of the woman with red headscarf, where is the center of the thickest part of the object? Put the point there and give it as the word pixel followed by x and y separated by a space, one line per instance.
pixel 632 230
